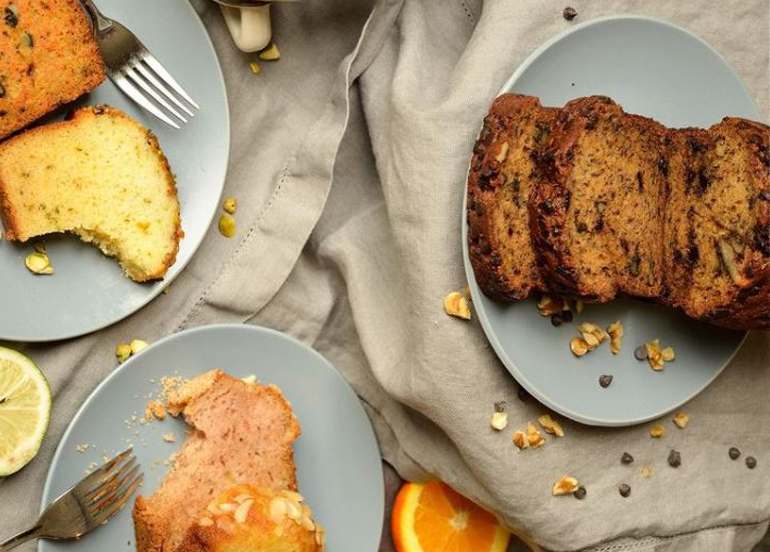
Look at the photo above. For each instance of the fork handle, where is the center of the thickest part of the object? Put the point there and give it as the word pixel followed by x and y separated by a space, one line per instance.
pixel 21 538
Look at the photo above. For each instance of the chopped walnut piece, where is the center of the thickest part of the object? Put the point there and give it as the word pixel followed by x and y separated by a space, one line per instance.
pixel 657 431
pixel 681 420
pixel 615 331
pixel 578 346
pixel 668 354
pixel 564 486
pixel 550 425
pixel 499 421
pixel 548 306
pixel 534 437
pixel 456 304
pixel 520 439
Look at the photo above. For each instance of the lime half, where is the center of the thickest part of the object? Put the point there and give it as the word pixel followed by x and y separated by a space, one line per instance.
pixel 25 408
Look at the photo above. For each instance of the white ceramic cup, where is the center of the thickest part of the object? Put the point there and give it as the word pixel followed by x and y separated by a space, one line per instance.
pixel 249 25
pixel 249 22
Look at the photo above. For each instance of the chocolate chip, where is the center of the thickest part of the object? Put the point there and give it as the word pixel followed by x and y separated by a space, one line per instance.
pixel 2 90
pixel 500 406
pixel 557 320
pixel 522 394
pixel 734 453
pixel 582 227
pixel 566 316
pixel 605 380
pixel 569 13
pixel 626 459
pixel 11 19
pixel 634 265
pixel 674 458
pixel 640 353
pixel 639 181
pixel 663 166
pixel 580 493
pixel 751 462
pixel 624 490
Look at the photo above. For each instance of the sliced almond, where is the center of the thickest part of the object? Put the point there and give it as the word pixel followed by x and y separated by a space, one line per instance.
pixel 242 512
pixel 278 509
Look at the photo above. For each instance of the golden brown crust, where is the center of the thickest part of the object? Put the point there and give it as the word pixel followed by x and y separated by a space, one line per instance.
pixel 50 58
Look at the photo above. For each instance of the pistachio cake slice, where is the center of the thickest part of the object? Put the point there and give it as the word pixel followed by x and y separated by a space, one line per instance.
pixel 100 176
pixel 503 172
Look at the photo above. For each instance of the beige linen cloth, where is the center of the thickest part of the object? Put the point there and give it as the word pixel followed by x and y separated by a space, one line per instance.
pixel 348 160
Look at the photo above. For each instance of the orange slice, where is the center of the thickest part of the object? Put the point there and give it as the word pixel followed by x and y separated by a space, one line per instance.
pixel 431 517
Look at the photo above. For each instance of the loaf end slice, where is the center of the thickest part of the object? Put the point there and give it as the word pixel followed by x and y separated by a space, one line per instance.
pixel 503 172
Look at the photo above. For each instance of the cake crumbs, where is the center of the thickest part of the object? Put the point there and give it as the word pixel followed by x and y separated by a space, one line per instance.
pixel 169 437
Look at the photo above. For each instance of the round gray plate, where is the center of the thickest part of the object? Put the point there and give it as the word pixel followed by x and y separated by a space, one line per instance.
pixel 655 69
pixel 338 462
pixel 88 291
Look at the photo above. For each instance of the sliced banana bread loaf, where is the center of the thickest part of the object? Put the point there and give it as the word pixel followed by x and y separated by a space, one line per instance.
pixel 48 57
pixel 502 171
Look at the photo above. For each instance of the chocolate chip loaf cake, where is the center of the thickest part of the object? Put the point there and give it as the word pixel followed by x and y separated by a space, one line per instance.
pixel 48 57
pixel 619 204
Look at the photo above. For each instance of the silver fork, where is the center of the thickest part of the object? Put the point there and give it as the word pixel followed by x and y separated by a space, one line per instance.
pixel 87 505
pixel 137 73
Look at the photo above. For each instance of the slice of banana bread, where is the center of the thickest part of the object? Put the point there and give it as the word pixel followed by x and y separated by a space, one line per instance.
pixel 719 224
pixel 501 176
pixel 101 176
pixel 48 57
pixel 595 215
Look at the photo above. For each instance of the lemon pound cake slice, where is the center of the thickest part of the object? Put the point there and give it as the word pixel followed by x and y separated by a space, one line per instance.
pixel 49 57
pixel 100 176
pixel 596 216
pixel 240 433
pixel 502 174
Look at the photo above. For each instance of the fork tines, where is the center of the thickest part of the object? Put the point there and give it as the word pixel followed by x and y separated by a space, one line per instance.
pixel 149 84
pixel 107 490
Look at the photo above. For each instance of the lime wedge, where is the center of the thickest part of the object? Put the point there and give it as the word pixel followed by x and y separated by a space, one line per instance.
pixel 25 408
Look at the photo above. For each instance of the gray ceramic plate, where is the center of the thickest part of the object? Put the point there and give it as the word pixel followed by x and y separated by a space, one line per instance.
pixel 338 462
pixel 656 69
pixel 88 291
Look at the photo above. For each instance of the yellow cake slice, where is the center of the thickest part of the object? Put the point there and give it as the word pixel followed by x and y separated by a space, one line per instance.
pixel 101 176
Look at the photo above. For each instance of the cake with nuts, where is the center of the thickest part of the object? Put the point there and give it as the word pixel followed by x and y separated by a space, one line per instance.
pixel 620 204
pixel 256 519
pixel 101 176
pixel 241 434
pixel 49 58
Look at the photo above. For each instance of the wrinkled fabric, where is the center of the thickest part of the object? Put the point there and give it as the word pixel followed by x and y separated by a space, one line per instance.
pixel 349 157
